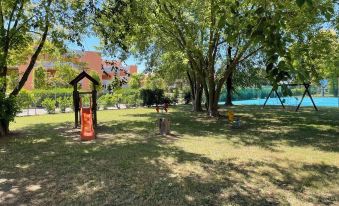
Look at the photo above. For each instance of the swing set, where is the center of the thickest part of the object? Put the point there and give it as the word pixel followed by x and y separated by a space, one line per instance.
pixel 307 91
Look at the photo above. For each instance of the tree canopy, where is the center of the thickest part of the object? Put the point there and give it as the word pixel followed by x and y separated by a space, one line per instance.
pixel 214 37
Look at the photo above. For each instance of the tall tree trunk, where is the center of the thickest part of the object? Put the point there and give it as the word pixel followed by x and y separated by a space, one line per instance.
pixel 197 107
pixel 4 124
pixel 196 91
pixel 213 102
pixel 229 90
pixel 4 127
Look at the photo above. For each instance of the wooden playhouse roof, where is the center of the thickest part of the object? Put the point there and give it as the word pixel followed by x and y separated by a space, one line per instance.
pixel 82 75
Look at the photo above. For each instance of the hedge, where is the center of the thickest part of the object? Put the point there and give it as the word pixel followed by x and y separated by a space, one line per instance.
pixel 41 94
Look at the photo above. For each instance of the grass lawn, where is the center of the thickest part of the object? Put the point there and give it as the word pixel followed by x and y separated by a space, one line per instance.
pixel 276 158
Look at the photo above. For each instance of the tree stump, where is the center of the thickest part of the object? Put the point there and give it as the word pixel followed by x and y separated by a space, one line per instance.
pixel 164 126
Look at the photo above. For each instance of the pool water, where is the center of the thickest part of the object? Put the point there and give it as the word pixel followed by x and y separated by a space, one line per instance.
pixel 292 101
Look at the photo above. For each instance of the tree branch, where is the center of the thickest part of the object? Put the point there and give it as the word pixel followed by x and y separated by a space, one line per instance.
pixel 250 54
pixel 35 55
pixel 18 15
pixel 11 16
pixel 2 17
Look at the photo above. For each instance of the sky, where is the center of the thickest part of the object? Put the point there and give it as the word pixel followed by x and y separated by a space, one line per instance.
pixel 90 43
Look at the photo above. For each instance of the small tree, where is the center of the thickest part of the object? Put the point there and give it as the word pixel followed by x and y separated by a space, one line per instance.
pixel 150 97
pixel 25 100
pixel 40 78
pixel 63 75
pixel 95 76
pixel 8 109
pixel 64 102
pixel 49 104
pixel 135 81
pixel 115 84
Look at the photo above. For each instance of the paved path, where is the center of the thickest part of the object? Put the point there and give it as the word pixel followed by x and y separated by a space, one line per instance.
pixel 42 111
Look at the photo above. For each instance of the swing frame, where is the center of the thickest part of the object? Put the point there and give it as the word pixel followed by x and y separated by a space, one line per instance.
pixel 307 91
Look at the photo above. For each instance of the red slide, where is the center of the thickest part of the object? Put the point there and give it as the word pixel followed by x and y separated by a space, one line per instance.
pixel 87 131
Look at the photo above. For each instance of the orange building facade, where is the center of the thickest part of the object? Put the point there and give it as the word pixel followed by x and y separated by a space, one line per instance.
pixel 91 61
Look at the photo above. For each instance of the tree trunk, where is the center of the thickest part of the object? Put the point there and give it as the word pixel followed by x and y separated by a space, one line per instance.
pixel 4 128
pixel 196 91
pixel 197 107
pixel 229 90
pixel 213 107
pixel 213 102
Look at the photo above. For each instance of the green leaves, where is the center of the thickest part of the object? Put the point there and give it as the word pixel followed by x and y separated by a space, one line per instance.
pixel 302 2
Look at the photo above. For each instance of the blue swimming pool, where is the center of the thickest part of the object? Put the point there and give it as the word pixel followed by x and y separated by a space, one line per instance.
pixel 292 101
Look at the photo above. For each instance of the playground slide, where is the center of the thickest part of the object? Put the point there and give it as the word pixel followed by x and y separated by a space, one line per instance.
pixel 87 131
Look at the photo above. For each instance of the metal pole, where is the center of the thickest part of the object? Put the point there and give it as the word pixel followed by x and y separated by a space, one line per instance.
pixel 309 94
pixel 267 98
pixel 301 101
pixel 279 99
pixel 338 91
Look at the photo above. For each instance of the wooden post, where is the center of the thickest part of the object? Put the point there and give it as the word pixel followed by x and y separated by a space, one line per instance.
pixel 75 105
pixel 94 106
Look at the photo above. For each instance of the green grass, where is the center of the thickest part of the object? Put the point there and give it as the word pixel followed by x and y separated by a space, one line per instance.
pixel 276 158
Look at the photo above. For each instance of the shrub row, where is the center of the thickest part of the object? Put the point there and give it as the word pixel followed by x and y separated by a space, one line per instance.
pixel 127 96
pixel 50 99
pixel 39 94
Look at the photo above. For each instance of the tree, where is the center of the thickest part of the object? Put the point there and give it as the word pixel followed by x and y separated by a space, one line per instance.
pixel 249 73
pixel 25 21
pixel 95 76
pixel 114 85
pixel 215 36
pixel 153 82
pixel 315 57
pixel 40 78
pixel 135 81
pixel 64 73
pixel 25 100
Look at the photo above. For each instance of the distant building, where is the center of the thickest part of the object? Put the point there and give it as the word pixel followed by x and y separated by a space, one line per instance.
pixel 89 61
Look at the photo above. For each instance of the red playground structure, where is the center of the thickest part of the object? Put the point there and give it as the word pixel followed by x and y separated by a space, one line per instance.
pixel 87 130
pixel 87 115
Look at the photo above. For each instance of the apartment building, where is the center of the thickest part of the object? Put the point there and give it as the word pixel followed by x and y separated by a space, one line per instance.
pixel 89 61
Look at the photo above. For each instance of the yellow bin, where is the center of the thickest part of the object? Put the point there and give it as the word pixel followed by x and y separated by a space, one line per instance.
pixel 230 116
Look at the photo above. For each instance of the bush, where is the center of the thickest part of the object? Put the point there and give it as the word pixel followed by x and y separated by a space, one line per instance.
pixel 129 96
pixel 41 94
pixel 25 99
pixel 8 108
pixel 150 97
pixel 104 101
pixel 64 102
pixel 40 78
pixel 49 104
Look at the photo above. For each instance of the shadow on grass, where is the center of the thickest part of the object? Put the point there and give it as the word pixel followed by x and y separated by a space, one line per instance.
pixel 266 128
pixel 129 165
